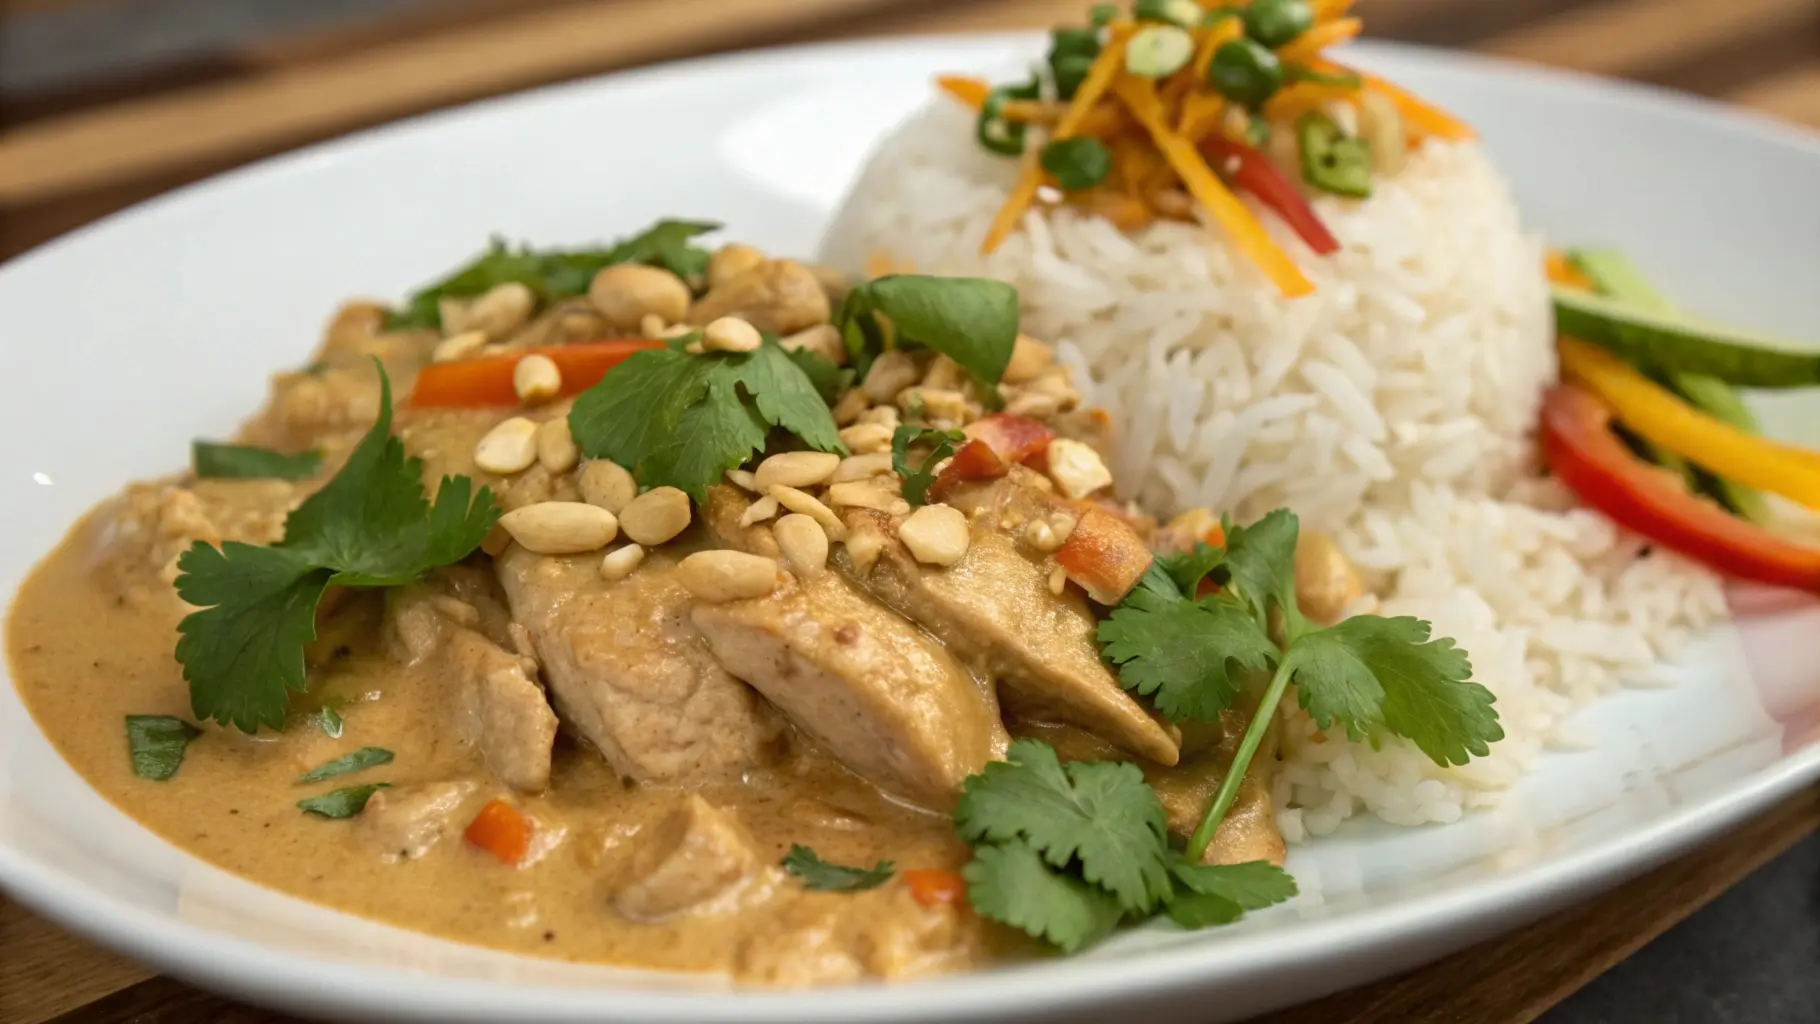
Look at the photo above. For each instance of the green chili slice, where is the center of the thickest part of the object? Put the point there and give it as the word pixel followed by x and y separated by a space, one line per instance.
pixel 1331 160
pixel 993 130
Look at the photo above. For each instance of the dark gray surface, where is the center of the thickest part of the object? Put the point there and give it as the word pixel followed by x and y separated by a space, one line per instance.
pixel 1751 955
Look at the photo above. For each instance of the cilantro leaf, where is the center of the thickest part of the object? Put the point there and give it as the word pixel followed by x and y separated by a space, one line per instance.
pixel 828 379
pixel 1180 653
pixel 683 420
pixel 1009 882
pixel 918 480
pixel 554 274
pixel 1101 813
pixel 157 744
pixel 1186 569
pixel 1261 561
pixel 330 720
pixel 1371 672
pixel 1252 885
pixel 820 876
pixel 213 461
pixel 342 803
pixel 370 526
pixel 969 319
pixel 359 761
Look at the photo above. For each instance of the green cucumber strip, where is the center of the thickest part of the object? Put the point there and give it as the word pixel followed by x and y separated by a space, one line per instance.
pixel 1672 343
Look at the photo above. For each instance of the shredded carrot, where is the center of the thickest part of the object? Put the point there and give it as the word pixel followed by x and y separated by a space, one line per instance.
pixel 1423 116
pixel 1231 215
pixel 1562 271
pixel 1309 44
pixel 1327 10
pixel 1200 113
pixel 1302 97
pixel 1099 78
pixel 1032 111
pixel 971 91
pixel 1126 211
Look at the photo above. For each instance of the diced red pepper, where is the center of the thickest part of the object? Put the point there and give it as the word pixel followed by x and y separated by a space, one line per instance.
pixel 1013 438
pixel 1253 172
pixel 975 461
pixel 1105 556
pixel 502 831
pixel 1584 453
pixel 487 380
pixel 934 887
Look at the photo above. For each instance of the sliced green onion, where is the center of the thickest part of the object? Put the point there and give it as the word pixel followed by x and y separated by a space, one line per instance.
pixel 1245 73
pixel 1071 55
pixel 1185 13
pixel 1275 23
pixel 1333 161
pixel 1077 163
pixel 993 130
pixel 1157 51
pixel 1101 15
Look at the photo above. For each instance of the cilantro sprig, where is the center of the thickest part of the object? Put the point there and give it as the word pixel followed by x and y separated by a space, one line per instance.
pixel 818 875
pixel 969 319
pixel 556 274
pixel 918 479
pixel 683 420
pixel 1067 852
pixel 1377 676
pixel 370 526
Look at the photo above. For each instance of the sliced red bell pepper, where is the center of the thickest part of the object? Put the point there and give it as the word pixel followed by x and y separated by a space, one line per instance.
pixel 1253 172
pixel 1584 453
pixel 1013 438
pixel 487 380
pixel 1105 556
pixel 975 461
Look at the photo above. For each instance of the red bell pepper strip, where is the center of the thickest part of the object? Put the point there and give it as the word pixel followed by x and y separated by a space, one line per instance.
pixel 975 461
pixel 487 380
pixel 1253 172
pixel 1580 447
pixel 1014 438
pixel 1105 556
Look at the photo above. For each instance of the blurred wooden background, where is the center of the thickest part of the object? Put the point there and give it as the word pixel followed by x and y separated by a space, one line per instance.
pixel 107 102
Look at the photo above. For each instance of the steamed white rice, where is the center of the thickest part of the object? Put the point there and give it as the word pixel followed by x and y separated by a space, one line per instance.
pixel 1392 409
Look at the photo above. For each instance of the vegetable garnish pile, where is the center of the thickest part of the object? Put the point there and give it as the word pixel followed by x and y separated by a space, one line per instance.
pixel 1648 426
pixel 1065 853
pixel 370 526
pixel 1136 109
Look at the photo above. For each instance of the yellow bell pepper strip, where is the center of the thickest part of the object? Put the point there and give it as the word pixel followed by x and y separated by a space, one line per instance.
pixel 1657 415
pixel 1310 43
pixel 1221 205
pixel 1099 78
pixel 1328 10
pixel 1584 454
pixel 970 91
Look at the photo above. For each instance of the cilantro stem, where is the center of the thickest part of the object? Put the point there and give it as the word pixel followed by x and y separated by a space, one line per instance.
pixel 1248 748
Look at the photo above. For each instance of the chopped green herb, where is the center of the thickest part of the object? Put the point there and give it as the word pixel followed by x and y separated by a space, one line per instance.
pixel 342 803
pixel 359 760
pixel 157 744
pixel 1077 163
pixel 1181 653
pixel 1011 883
pixel 553 274
pixel 330 720
pixel 820 876
pixel 969 319
pixel 683 420
pixel 1071 55
pixel 1216 894
pixel 917 479
pixel 1101 15
pixel 245 461
pixel 370 526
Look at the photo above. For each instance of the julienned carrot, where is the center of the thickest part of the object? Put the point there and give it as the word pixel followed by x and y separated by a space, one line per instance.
pixel 502 831
pixel 487 380
pixel 934 886
pixel 1099 78
pixel 1328 33
pixel 1327 10
pixel 971 91
pixel 1221 205
pixel 1425 117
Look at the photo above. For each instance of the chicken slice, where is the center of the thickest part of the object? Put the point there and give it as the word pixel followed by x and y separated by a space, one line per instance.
pixel 404 823
pixel 628 671
pixel 885 699
pixel 698 860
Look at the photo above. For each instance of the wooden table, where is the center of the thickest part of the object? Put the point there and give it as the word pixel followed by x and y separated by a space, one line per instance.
pixel 70 157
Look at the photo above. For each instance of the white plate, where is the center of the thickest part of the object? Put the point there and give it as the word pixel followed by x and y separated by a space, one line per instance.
pixel 126 339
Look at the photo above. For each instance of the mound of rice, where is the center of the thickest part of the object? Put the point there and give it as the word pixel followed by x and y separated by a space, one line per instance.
pixel 1392 409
